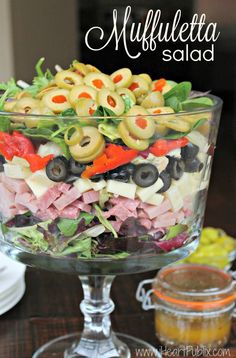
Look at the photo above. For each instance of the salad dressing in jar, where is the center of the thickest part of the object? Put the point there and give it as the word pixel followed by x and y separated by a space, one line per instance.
pixel 193 304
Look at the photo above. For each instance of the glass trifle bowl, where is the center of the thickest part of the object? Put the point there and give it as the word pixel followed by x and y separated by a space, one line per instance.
pixel 94 190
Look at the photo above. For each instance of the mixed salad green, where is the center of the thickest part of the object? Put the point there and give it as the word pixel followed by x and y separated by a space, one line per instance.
pixel 96 165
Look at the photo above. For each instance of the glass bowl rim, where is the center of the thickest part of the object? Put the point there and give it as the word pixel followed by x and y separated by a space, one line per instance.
pixel 217 104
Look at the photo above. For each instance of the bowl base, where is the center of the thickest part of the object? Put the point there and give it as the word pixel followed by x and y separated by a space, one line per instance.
pixel 130 347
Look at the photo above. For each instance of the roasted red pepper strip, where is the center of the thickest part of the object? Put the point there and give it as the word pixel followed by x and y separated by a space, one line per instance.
pixel 37 162
pixel 17 145
pixel 114 156
pixel 159 84
pixel 162 146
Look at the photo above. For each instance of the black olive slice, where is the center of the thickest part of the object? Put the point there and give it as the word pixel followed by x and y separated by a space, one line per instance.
pixel 166 178
pixel 57 169
pixel 192 166
pixel 76 167
pixel 145 175
pixel 175 167
pixel 190 151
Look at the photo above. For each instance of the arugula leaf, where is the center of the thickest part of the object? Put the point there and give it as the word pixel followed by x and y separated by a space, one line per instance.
pixel 177 94
pixel 104 221
pixel 104 196
pixel 194 103
pixel 109 130
pixel 181 91
pixel 10 88
pixel 177 135
pixel 118 255
pixel 42 79
pixel 129 103
pixel 68 227
pixel 33 236
pixel 82 247
pixel 175 230
pixel 49 134
pixel 5 124
pixel 103 112
pixel 174 103
pixel 68 113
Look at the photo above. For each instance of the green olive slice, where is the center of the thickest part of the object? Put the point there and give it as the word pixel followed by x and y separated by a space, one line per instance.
pixel 90 143
pixel 160 110
pixel 45 90
pixel 139 124
pixel 91 157
pixel 153 99
pixel 23 94
pixel 26 105
pixel 99 81
pixel 146 77
pixel 129 140
pixel 139 86
pixel 85 107
pixel 80 68
pixel 67 79
pixel 73 135
pixel 126 92
pixel 122 77
pixel 56 100
pixel 112 101
pixel 82 91
pixel 92 68
pixel 9 105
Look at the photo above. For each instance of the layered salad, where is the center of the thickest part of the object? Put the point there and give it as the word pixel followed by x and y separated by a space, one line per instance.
pixel 96 165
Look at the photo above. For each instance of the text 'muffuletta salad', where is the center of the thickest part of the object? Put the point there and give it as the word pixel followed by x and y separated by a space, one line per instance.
pixel 96 165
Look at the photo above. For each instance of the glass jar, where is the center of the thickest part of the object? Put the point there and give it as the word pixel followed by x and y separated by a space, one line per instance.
pixel 193 306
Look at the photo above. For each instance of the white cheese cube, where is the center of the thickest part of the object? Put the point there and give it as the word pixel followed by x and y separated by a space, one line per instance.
pixel 188 184
pixel 175 153
pixel 156 199
pixel 199 140
pixel 20 161
pixel 49 148
pixel 39 183
pixel 83 185
pixel 123 189
pixel 99 185
pixel 16 171
pixel 146 193
pixel 175 198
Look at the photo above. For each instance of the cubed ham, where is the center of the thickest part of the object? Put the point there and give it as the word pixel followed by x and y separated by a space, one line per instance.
pixel 155 211
pixel 50 213
pixel 7 201
pixel 49 197
pixel 120 212
pixel 67 198
pixel 63 187
pixel 70 212
pixel 82 206
pixel 146 223
pixel 28 201
pixel 142 214
pixel 130 204
pixel 164 221
pixel 116 224
pixel 90 197
pixel 188 202
pixel 14 185
pixel 180 216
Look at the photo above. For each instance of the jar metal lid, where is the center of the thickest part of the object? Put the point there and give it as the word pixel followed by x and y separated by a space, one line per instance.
pixel 195 287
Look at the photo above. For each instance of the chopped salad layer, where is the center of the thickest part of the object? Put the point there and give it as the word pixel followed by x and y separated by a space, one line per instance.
pixel 96 165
